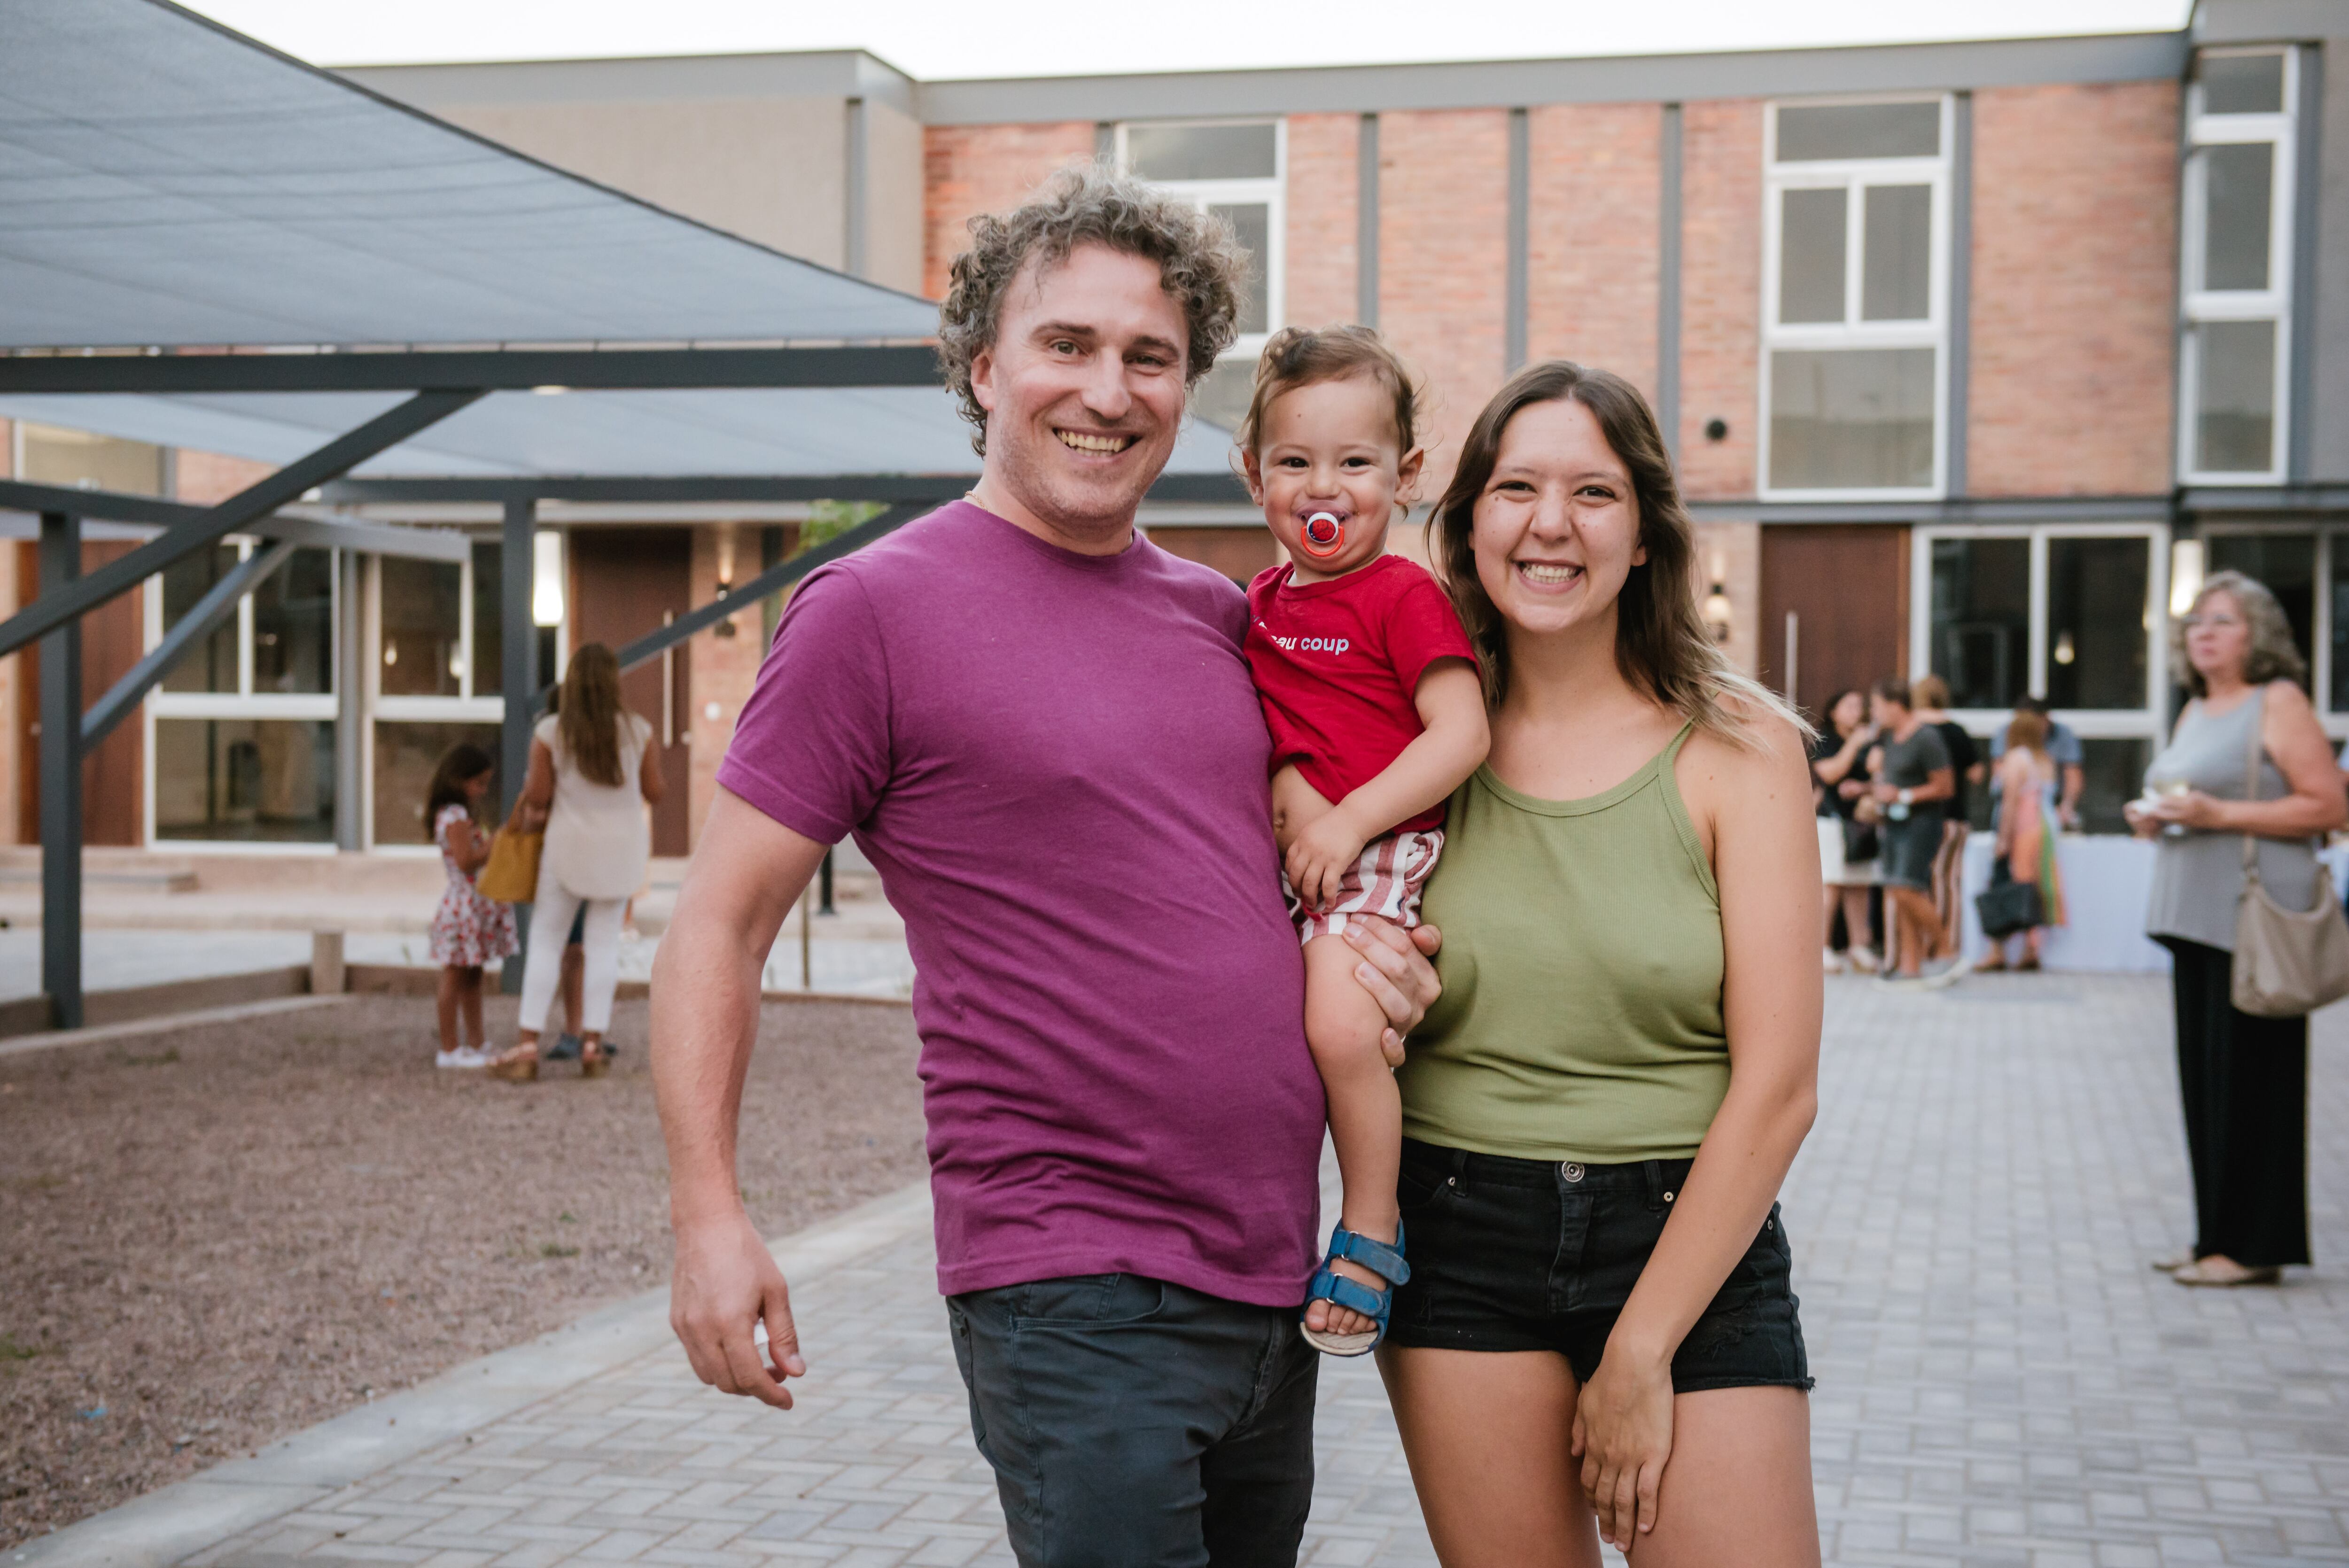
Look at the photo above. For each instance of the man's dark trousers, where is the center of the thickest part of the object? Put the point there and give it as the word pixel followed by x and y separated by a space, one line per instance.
pixel 1137 1424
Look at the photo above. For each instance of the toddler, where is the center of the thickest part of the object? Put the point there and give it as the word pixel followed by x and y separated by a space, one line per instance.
pixel 1371 690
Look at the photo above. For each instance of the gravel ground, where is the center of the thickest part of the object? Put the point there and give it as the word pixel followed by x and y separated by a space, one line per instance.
pixel 212 1238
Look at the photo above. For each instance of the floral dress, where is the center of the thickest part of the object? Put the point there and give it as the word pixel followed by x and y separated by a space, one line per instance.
pixel 468 930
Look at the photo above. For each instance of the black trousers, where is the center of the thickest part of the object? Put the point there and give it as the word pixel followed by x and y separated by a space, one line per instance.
pixel 2245 1083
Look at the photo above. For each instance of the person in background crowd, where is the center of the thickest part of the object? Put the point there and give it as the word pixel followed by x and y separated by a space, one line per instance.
pixel 2064 747
pixel 1846 845
pixel 2243 1080
pixel 2029 781
pixel 468 930
pixel 1967 770
pixel 589 775
pixel 1912 781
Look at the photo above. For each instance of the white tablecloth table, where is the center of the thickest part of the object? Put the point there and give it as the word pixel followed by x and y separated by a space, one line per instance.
pixel 2105 880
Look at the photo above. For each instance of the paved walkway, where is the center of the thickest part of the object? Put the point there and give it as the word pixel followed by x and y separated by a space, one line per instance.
pixel 2001 1381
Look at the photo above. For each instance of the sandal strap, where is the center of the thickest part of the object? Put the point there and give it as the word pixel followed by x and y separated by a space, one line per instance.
pixel 1384 1260
pixel 1349 1294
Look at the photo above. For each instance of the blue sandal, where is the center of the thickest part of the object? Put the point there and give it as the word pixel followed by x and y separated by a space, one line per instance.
pixel 1384 1260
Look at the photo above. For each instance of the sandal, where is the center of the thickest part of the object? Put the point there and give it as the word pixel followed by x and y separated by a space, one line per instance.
pixel 519 1065
pixel 594 1060
pixel 1384 1260
pixel 2228 1277
pixel 2183 1258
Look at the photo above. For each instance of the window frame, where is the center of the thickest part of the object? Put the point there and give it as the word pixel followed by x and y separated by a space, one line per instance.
pixel 2272 304
pixel 1855 176
pixel 2331 545
pixel 1272 190
pixel 2090 723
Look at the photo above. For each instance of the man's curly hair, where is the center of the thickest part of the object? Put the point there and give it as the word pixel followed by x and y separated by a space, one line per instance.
pixel 1199 262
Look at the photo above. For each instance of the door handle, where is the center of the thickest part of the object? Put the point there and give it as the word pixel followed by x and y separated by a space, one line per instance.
pixel 668 685
pixel 1793 651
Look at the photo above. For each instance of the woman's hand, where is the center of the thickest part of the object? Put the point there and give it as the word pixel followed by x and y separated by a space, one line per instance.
pixel 1319 856
pixel 2192 810
pixel 1623 1434
pixel 1395 972
pixel 2141 822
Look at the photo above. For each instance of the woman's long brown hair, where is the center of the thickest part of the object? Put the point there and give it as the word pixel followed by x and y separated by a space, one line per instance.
pixel 588 720
pixel 1661 645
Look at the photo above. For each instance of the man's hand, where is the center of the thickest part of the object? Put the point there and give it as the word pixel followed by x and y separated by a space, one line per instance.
pixel 1319 856
pixel 1395 972
pixel 725 1284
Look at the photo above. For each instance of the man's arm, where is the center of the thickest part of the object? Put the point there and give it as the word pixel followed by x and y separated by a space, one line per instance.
pixel 747 873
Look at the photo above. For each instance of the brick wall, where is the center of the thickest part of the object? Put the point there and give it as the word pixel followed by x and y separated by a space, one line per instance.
pixel 1324 185
pixel 2074 261
pixel 723 669
pixel 203 478
pixel 1444 230
pixel 1736 548
pixel 971 169
pixel 1721 284
pixel 1592 235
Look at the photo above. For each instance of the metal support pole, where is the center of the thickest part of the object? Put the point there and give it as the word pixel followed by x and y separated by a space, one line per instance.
pixel 518 678
pixel 823 885
pixel 60 780
pixel 350 680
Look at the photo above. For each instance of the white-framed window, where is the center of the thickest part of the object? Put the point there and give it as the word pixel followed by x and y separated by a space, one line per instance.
pixel 2307 570
pixel 240 734
pixel 1237 169
pixel 1854 308
pixel 2073 612
pixel 2236 273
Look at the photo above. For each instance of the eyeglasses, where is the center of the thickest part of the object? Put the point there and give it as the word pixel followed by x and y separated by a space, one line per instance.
pixel 2215 622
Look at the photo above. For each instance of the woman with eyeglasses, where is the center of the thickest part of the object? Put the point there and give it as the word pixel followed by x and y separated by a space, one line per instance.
pixel 2244 1078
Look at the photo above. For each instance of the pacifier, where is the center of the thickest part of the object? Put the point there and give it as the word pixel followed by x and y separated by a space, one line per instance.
pixel 1324 535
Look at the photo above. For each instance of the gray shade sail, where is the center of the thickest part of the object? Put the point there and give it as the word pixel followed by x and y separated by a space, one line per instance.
pixel 784 432
pixel 168 182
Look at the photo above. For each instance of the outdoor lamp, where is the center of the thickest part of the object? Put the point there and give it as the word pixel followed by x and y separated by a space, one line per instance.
pixel 547 578
pixel 2185 575
pixel 1718 616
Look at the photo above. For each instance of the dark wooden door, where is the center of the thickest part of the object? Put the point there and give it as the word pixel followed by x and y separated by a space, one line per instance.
pixel 625 582
pixel 114 776
pixel 1835 597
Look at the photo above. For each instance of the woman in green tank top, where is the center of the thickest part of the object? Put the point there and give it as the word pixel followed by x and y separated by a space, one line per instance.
pixel 1601 1107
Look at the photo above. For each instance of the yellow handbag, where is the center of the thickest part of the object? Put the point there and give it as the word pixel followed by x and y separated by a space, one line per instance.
pixel 511 873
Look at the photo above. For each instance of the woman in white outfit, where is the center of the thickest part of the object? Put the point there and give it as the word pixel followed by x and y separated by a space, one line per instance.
pixel 588 775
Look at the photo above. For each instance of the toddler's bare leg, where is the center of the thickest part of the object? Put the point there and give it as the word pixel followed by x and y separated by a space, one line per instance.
pixel 1295 805
pixel 1342 1024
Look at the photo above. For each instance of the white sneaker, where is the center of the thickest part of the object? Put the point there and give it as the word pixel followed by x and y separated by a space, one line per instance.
pixel 1830 962
pixel 463 1057
pixel 1863 961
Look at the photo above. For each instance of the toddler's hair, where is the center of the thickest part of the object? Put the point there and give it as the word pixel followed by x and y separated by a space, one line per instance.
pixel 1301 357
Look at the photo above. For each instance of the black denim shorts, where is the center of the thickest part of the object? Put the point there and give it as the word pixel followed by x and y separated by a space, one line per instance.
pixel 1531 1255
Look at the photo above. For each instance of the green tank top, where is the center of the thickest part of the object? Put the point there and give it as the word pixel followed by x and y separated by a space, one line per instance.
pixel 1581 1017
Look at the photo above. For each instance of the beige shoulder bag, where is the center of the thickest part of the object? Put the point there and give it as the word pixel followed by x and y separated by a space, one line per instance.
pixel 2286 962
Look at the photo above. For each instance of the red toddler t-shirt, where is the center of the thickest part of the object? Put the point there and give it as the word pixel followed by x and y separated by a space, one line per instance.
pixel 1336 664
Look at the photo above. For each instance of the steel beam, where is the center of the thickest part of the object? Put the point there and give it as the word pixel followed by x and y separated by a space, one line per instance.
pixel 649 489
pixel 492 369
pixel 60 779
pixel 774 580
pixel 201 620
pixel 326 533
pixel 518 678
pixel 350 692
pixel 240 510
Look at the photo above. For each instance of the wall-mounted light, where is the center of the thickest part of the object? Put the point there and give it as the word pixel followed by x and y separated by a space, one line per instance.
pixel 725 628
pixel 1719 618
pixel 2185 575
pixel 547 578
pixel 2064 651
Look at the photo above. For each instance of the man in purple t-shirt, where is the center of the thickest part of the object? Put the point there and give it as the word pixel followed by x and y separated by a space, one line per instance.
pixel 1040 728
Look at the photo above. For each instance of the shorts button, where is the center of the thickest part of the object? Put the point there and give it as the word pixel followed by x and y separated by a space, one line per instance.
pixel 1570 1171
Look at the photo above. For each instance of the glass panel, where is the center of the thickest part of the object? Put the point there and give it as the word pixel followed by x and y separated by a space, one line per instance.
pixel 1811 255
pixel 212 666
pixel 1896 270
pixel 2340 624
pixel 2234 402
pixel 2285 563
pixel 2114 771
pixel 60 457
pixel 294 625
pixel 2239 182
pixel 1222 394
pixel 1851 419
pixel 421 627
pixel 1982 619
pixel 246 779
pixel 1859 131
pixel 1251 222
pixel 489 649
pixel 2097 603
pixel 1202 151
pixel 405 757
pixel 2242 84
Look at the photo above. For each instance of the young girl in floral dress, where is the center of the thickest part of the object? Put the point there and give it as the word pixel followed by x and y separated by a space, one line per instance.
pixel 468 930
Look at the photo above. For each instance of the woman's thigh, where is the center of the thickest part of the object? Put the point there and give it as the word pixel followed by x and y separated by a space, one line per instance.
pixel 1738 1486
pixel 1487 1434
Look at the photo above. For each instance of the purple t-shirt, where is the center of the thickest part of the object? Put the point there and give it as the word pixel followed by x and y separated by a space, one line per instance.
pixel 1058 765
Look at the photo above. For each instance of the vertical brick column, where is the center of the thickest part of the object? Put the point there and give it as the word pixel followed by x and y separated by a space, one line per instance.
pixel 1721 284
pixel 1594 192
pixel 1323 186
pixel 968 170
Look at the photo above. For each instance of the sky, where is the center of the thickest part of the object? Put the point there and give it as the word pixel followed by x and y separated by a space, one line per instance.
pixel 937 39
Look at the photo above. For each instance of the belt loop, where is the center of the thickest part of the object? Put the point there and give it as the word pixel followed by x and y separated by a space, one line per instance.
pixel 1459 1163
pixel 1654 1171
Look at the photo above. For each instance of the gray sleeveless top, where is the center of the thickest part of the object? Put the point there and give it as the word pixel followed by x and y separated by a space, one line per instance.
pixel 2198 879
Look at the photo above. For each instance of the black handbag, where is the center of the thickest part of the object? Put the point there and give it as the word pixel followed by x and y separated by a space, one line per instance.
pixel 2007 906
pixel 1859 842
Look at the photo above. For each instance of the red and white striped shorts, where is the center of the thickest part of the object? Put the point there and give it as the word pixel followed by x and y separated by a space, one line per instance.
pixel 1385 881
